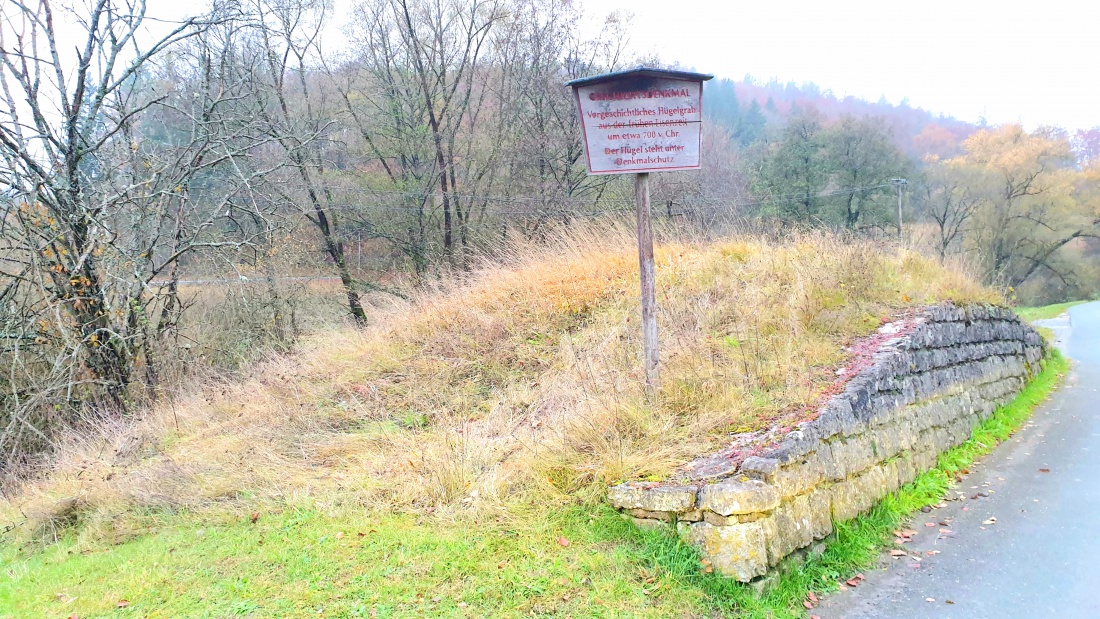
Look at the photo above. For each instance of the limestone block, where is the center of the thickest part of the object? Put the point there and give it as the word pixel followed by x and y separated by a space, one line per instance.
pixel 884 407
pixel 799 477
pixel 756 467
pixel 848 499
pixel 887 441
pixel 848 457
pixel 719 520
pixel 929 414
pixel 858 396
pixel 906 469
pixel 961 429
pixel 789 528
pixel 649 524
pixel 949 312
pixel 836 418
pixel 645 514
pixel 924 459
pixel 876 483
pixel 652 498
pixel 736 550
pixel 940 438
pixel 739 496
pixel 891 478
pixel 984 408
pixel 821 516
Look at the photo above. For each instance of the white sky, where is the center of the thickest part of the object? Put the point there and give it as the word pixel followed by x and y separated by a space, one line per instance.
pixel 1035 62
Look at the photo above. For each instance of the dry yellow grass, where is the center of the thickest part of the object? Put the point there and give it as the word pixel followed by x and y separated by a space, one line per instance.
pixel 520 384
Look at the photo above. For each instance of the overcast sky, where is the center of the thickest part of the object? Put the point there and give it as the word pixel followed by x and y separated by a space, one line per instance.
pixel 1035 62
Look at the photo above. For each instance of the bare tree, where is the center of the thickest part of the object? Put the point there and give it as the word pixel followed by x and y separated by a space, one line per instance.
pixel 298 115
pixel 119 169
pixel 948 196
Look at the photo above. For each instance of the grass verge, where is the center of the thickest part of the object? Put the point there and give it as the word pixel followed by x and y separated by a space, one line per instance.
pixel 576 561
pixel 1044 312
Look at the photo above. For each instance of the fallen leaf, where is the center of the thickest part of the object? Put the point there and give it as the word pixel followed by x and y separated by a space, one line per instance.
pixel 1044 470
pixel 122 604
pixel 948 602
pixel 946 531
pixel 852 582
pixel 930 524
pixel 898 553
pixel 563 542
pixel 992 520
pixel 932 553
pixel 929 599
pixel 807 604
pixel 813 598
pixel 255 517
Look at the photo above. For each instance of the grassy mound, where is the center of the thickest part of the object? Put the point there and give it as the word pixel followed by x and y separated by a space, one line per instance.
pixel 464 442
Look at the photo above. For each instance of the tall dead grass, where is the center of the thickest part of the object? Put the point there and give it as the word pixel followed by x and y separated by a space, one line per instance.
pixel 519 384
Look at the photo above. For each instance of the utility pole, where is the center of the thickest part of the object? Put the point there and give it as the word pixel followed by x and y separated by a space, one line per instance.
pixel 899 183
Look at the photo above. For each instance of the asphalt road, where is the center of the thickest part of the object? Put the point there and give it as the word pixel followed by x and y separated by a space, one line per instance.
pixel 1041 555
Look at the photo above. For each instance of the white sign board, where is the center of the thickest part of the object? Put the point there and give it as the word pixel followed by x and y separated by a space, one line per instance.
pixel 641 124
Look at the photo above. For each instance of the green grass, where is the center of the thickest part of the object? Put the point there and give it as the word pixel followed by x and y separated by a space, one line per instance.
pixel 577 561
pixel 1031 314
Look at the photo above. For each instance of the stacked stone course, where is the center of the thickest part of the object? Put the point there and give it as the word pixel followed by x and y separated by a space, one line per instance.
pixel 923 392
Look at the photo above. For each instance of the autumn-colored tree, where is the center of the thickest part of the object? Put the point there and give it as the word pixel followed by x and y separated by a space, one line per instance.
pixel 1036 201
pixel 937 140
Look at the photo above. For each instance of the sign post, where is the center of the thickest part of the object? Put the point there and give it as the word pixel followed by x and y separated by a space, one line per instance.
pixel 640 121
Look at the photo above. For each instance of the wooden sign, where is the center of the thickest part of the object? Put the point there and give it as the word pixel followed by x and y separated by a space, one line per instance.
pixel 642 120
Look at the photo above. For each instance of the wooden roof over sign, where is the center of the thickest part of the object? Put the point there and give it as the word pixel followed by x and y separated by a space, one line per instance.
pixel 640 72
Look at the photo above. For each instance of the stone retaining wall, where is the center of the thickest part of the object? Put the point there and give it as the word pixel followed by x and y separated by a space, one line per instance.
pixel 931 379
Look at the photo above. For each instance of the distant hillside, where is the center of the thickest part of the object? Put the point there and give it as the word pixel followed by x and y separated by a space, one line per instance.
pixel 748 107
